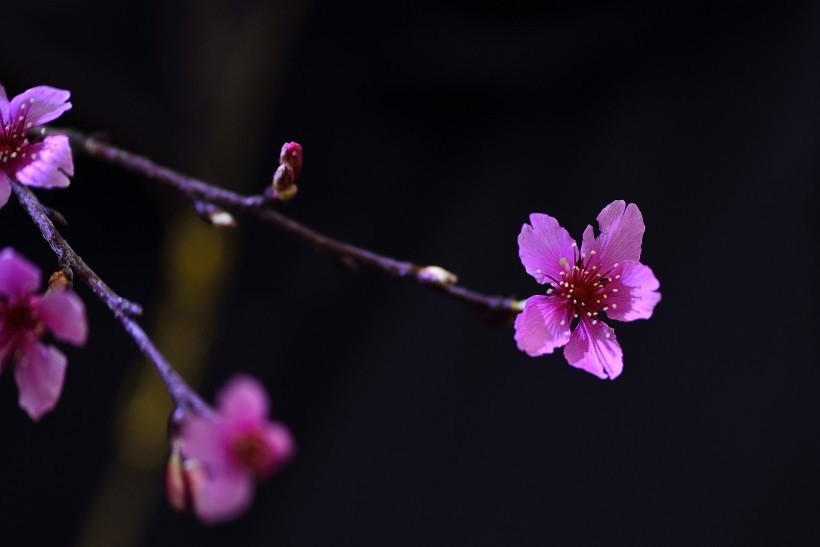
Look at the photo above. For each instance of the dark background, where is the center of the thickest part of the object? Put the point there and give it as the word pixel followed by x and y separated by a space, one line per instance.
pixel 431 130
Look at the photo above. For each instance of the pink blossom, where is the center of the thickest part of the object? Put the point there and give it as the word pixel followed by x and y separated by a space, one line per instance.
pixel 239 446
pixel 44 164
pixel 604 277
pixel 39 369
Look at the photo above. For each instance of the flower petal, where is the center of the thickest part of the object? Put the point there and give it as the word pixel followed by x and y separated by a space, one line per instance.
pixel 595 349
pixel 280 443
pixel 538 329
pixel 224 497
pixel 64 314
pixel 543 245
pixel 243 398
pixel 621 235
pixel 5 189
pixel 7 347
pixel 48 164
pixel 637 292
pixel 39 105
pixel 202 440
pixel 4 101
pixel 18 276
pixel 39 373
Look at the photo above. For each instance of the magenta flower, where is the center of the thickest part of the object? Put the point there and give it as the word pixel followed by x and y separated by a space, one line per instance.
pixel 239 446
pixel 605 277
pixel 24 319
pixel 44 164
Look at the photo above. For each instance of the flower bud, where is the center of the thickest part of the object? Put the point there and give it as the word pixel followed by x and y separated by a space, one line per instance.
pixel 175 485
pixel 291 155
pixel 284 183
pixel 290 167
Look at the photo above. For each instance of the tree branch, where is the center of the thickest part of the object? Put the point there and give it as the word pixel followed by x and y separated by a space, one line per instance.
pixel 260 207
pixel 124 310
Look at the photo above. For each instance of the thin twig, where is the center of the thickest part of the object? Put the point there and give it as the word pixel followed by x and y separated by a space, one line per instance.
pixel 261 208
pixel 124 310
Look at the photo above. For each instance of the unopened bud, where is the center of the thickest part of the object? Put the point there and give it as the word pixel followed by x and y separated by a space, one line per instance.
pixel 291 155
pixel 212 214
pixel 60 280
pixel 436 275
pixel 290 167
pixel 175 485
pixel 284 183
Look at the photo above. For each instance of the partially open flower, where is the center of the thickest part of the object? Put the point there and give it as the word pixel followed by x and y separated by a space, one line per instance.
pixel 43 164
pixel 221 457
pixel 39 369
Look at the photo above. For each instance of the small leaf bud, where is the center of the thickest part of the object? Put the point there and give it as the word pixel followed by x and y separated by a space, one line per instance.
pixel 436 275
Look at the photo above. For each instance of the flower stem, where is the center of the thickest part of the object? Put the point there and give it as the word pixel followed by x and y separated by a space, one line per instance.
pixel 124 310
pixel 494 308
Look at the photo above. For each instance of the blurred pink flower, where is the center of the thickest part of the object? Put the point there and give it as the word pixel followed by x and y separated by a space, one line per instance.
pixel 605 277
pixel 239 446
pixel 44 164
pixel 24 319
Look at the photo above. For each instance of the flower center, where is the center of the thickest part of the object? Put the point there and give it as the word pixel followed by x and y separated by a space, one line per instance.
pixel 251 451
pixel 583 286
pixel 19 324
pixel 13 142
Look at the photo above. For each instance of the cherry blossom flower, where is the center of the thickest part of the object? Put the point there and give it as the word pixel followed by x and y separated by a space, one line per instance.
pixel 39 369
pixel 604 277
pixel 43 164
pixel 223 456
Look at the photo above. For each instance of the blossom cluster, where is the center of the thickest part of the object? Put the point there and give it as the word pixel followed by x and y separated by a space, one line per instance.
pixel 218 454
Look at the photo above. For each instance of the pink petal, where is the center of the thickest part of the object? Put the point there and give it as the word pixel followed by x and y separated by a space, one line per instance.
pixel 4 101
pixel 590 349
pixel 543 245
pixel 18 276
pixel 224 497
pixel 48 164
pixel 64 314
pixel 622 229
pixel 203 440
pixel 5 353
pixel 48 104
pixel 280 443
pixel 637 292
pixel 538 329
pixel 5 189
pixel 39 374
pixel 243 398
